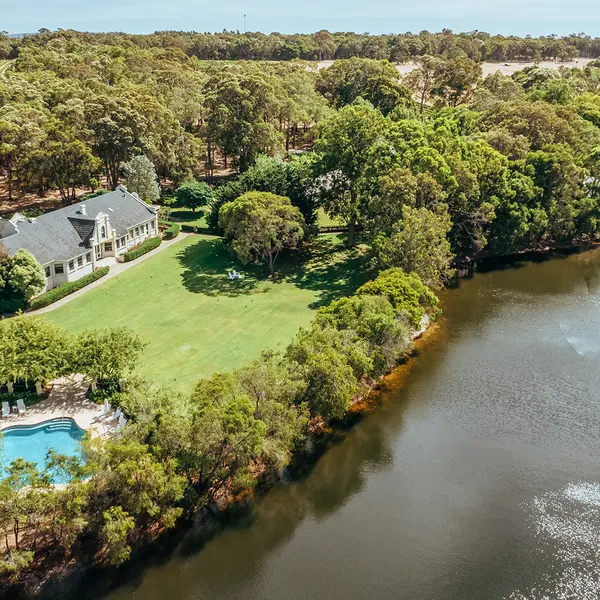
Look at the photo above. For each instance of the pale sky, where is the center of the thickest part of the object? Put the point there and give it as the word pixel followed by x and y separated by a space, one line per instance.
pixel 520 17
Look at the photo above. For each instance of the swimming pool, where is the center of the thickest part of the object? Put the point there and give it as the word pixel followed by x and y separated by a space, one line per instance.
pixel 32 442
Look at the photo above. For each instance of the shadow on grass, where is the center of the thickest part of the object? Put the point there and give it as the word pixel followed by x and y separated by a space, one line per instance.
pixel 327 267
pixel 184 216
pixel 324 266
pixel 206 265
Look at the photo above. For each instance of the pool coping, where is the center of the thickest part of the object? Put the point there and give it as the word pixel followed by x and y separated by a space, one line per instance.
pixel 40 424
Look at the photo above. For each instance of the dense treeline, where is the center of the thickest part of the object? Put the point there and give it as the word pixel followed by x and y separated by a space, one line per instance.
pixel 182 452
pixel 71 113
pixel 506 163
pixel 323 45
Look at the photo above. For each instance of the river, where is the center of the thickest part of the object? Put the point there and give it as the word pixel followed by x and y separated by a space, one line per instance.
pixel 477 477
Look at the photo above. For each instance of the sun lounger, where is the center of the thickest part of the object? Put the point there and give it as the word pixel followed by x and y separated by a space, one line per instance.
pixel 5 410
pixel 21 406
pixel 117 414
pixel 121 423
pixel 107 407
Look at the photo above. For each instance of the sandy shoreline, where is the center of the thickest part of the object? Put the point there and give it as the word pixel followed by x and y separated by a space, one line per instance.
pixel 507 68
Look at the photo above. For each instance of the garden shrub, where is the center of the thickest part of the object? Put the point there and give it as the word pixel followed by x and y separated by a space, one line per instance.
pixel 405 292
pixel 172 231
pixel 147 245
pixel 65 289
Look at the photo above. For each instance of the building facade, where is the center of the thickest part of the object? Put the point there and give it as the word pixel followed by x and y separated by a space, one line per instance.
pixel 73 241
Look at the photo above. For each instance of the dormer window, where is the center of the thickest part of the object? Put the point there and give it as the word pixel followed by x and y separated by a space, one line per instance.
pixel 103 232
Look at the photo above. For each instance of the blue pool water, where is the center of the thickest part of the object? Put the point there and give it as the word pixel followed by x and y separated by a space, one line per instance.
pixel 32 442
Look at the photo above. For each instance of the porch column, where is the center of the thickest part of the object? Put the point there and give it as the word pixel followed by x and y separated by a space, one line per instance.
pixel 9 386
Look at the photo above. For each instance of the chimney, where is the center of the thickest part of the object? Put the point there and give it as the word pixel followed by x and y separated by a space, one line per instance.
pixel 83 210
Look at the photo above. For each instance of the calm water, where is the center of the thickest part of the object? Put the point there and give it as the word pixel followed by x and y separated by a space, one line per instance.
pixel 476 479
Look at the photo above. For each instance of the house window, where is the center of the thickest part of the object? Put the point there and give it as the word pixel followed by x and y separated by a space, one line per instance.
pixel 131 234
pixel 103 232
pixel 88 257
pixel 152 225
pixel 146 227
pixel 47 271
pixel 59 269
pixel 123 240
pixel 137 231
pixel 80 262
pixel 71 266
pixel 118 243
pixel 108 247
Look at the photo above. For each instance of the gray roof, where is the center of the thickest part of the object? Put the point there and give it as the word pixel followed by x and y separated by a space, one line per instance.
pixel 65 233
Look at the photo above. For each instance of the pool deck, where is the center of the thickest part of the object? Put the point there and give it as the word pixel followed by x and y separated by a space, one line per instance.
pixel 67 399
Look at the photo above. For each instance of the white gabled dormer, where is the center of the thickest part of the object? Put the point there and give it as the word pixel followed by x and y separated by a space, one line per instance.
pixel 104 230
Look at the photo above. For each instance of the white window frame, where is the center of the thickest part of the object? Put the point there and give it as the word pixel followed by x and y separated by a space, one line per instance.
pixel 79 262
pixel 71 266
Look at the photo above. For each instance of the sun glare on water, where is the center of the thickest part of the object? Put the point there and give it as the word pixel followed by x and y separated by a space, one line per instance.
pixel 567 524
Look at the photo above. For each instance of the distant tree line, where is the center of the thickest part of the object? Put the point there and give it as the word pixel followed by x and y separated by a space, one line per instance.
pixel 325 45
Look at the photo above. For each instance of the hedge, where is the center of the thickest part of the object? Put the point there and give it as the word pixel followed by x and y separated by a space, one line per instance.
pixel 65 289
pixel 147 245
pixel 172 231
pixel 195 229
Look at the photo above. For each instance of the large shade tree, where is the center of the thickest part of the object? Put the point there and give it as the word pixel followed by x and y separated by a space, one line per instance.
pixel 342 147
pixel 259 225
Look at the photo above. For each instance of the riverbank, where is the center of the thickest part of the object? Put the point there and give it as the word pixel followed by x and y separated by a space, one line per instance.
pixel 467 482
pixel 227 502
pixel 441 459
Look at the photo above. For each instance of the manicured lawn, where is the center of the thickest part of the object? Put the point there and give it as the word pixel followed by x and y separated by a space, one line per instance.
pixel 186 216
pixel 195 321
pixel 324 220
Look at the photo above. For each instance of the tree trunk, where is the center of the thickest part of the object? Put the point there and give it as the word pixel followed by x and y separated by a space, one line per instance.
pixel 352 221
pixel 271 269
pixel 352 231
pixel 16 532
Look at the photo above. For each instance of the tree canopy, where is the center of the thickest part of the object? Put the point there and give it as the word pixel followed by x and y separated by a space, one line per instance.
pixel 259 225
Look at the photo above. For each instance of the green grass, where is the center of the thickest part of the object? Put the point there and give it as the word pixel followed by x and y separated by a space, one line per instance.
pixel 324 220
pixel 185 216
pixel 195 321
